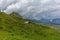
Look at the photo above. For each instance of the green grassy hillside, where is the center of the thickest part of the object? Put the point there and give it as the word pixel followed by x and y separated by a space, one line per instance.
pixel 13 27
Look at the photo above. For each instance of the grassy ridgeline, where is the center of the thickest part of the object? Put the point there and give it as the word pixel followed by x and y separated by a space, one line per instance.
pixel 13 28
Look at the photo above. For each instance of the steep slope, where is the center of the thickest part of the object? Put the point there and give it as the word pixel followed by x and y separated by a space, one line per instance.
pixel 14 28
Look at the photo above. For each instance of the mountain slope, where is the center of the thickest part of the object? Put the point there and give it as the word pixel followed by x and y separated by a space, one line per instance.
pixel 14 28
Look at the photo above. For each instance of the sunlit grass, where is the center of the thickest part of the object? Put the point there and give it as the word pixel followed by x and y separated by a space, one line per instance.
pixel 13 28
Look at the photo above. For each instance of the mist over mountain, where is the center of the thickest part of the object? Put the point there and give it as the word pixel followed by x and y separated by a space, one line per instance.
pixel 55 21
pixel 29 19
pixel 33 9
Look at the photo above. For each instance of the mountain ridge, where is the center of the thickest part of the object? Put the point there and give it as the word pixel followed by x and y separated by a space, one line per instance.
pixel 14 28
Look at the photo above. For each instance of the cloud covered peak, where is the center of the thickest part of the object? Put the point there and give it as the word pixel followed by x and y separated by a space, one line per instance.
pixel 33 9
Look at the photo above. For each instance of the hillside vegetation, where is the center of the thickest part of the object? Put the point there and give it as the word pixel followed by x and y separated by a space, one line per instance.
pixel 13 27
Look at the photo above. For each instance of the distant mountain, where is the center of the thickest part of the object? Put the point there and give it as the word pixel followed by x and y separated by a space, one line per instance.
pixel 50 21
pixel 45 20
pixel 56 20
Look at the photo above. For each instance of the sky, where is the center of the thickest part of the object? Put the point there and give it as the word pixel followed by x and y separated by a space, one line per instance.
pixel 33 9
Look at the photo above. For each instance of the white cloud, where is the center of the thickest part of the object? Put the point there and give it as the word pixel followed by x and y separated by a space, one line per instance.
pixel 32 8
